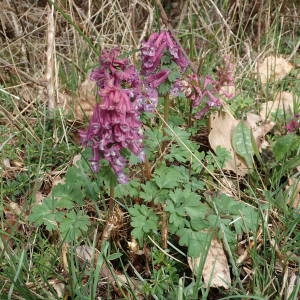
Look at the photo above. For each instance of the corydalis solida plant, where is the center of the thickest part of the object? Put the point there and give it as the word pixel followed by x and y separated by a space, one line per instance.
pixel 125 94
pixel 206 92
pixel 115 123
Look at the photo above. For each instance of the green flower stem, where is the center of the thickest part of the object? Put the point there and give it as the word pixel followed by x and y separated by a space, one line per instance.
pixel 111 200
pixel 166 118
pixel 164 216
pixel 190 114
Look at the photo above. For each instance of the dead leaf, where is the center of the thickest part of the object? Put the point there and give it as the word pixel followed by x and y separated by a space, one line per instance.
pixel 39 197
pixel 6 163
pixel 283 101
pixel 64 101
pixel 57 180
pixel 76 159
pixel 221 126
pixel 291 286
pixel 82 104
pixel 259 129
pixel 85 102
pixel 58 286
pixel 15 208
pixel 273 68
pixel 88 254
pixel 216 269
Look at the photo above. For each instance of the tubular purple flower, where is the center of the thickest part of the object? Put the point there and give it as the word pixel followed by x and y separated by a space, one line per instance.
pixel 153 50
pixel 114 69
pixel 176 51
pixel 225 75
pixel 155 80
pixel 199 93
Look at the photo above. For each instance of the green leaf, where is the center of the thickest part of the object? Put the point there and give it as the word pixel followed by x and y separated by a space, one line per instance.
pixel 46 214
pixel 143 220
pixel 223 155
pixel 164 88
pixel 244 217
pixel 114 256
pixel 284 145
pixel 73 225
pixel 132 189
pixel 167 177
pixel 196 241
pixel 66 195
pixel 153 139
pixel 151 192
pixel 242 142
pixel 173 75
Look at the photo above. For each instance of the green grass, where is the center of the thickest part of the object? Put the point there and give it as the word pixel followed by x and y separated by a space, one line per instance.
pixel 39 245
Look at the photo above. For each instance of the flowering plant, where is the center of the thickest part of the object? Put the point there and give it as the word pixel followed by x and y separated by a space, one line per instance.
pixel 126 93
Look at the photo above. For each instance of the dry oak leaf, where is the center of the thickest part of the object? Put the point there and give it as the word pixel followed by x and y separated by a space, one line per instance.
pixel 90 255
pixel 221 127
pixel 216 269
pixel 259 129
pixel 273 68
pixel 283 101
pixel 85 101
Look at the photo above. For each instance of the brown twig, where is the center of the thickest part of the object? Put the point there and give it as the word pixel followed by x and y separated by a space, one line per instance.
pixel 50 58
pixel 19 72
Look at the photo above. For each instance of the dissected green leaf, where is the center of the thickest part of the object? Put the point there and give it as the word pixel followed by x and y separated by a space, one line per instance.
pixel 151 192
pixel 143 220
pixel 244 217
pixel 73 225
pixel 167 177
pixel 222 156
pixel 46 214
pixel 196 241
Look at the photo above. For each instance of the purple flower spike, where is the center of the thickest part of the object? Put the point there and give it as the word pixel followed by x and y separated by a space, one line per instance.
pixel 125 94
pixel 153 50
pixel 115 123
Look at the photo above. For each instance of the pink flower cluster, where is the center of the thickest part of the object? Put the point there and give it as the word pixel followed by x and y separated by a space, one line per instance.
pixel 153 50
pixel 294 124
pixel 205 92
pixel 115 123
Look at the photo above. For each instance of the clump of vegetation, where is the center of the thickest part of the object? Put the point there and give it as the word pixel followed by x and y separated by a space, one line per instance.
pixel 171 171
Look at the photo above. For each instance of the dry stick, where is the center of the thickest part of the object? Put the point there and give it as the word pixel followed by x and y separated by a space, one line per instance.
pixel 50 58
pixel 20 29
pixel 147 169
pixel 109 226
